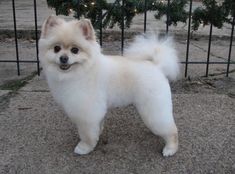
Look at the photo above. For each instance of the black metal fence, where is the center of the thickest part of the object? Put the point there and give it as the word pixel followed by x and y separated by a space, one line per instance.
pixel 187 61
pixel 18 61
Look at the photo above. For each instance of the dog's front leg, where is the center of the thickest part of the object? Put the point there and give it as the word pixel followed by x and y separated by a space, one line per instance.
pixel 89 129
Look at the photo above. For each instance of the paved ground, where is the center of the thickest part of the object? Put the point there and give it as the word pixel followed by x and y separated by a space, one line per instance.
pixel 37 137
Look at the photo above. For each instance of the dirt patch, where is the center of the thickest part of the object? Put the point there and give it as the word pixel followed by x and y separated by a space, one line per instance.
pixel 217 85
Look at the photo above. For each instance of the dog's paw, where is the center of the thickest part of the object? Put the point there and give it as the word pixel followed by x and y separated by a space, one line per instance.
pixel 169 151
pixel 82 148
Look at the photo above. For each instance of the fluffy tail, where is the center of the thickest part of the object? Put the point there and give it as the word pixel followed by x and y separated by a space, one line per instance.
pixel 160 52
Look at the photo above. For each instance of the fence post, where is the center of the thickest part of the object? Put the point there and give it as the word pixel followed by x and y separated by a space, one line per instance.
pixel 36 34
pixel 78 5
pixel 16 39
pixel 167 16
pixel 145 14
pixel 230 47
pixel 123 18
pixel 100 21
pixel 208 53
pixel 188 39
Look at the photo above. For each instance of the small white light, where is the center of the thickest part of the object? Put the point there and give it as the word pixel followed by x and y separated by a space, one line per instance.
pixel 93 3
pixel 85 5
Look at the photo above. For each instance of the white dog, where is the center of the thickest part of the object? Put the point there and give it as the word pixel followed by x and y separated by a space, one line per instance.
pixel 86 82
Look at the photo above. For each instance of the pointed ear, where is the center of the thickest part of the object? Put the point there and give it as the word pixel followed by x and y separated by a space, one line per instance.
pixel 87 29
pixel 49 23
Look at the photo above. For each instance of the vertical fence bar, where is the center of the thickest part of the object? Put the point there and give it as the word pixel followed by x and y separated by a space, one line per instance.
pixel 230 47
pixel 16 40
pixel 167 16
pixel 145 14
pixel 123 15
pixel 36 34
pixel 188 39
pixel 78 5
pixel 100 21
pixel 208 52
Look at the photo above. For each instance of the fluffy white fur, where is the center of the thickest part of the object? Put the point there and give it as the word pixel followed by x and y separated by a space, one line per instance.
pixel 95 82
pixel 160 52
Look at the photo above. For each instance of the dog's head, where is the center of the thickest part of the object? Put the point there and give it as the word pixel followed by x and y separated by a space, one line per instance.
pixel 67 45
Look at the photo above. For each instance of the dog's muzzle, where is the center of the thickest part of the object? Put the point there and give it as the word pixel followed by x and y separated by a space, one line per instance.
pixel 64 62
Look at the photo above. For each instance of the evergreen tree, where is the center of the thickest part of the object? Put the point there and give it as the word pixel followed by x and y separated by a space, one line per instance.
pixel 176 11
pixel 213 12
pixel 111 12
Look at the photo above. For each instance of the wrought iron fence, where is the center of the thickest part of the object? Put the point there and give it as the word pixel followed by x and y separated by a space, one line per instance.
pixel 187 61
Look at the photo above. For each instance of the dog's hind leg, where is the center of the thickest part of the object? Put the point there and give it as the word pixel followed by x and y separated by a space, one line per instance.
pixel 171 140
pixel 160 124
pixel 156 112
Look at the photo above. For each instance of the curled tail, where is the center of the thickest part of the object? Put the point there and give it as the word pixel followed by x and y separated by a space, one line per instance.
pixel 160 52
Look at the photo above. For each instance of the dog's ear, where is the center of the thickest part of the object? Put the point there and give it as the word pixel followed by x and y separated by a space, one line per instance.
pixel 49 23
pixel 87 29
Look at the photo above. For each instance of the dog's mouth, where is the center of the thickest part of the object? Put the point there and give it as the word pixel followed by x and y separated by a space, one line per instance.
pixel 66 66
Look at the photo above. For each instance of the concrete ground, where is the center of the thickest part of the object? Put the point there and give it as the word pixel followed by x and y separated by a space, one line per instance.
pixel 37 137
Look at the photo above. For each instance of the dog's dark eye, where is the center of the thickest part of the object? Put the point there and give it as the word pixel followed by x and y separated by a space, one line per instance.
pixel 57 49
pixel 74 50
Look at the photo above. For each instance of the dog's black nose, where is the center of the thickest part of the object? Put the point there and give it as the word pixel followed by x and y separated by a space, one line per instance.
pixel 64 59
